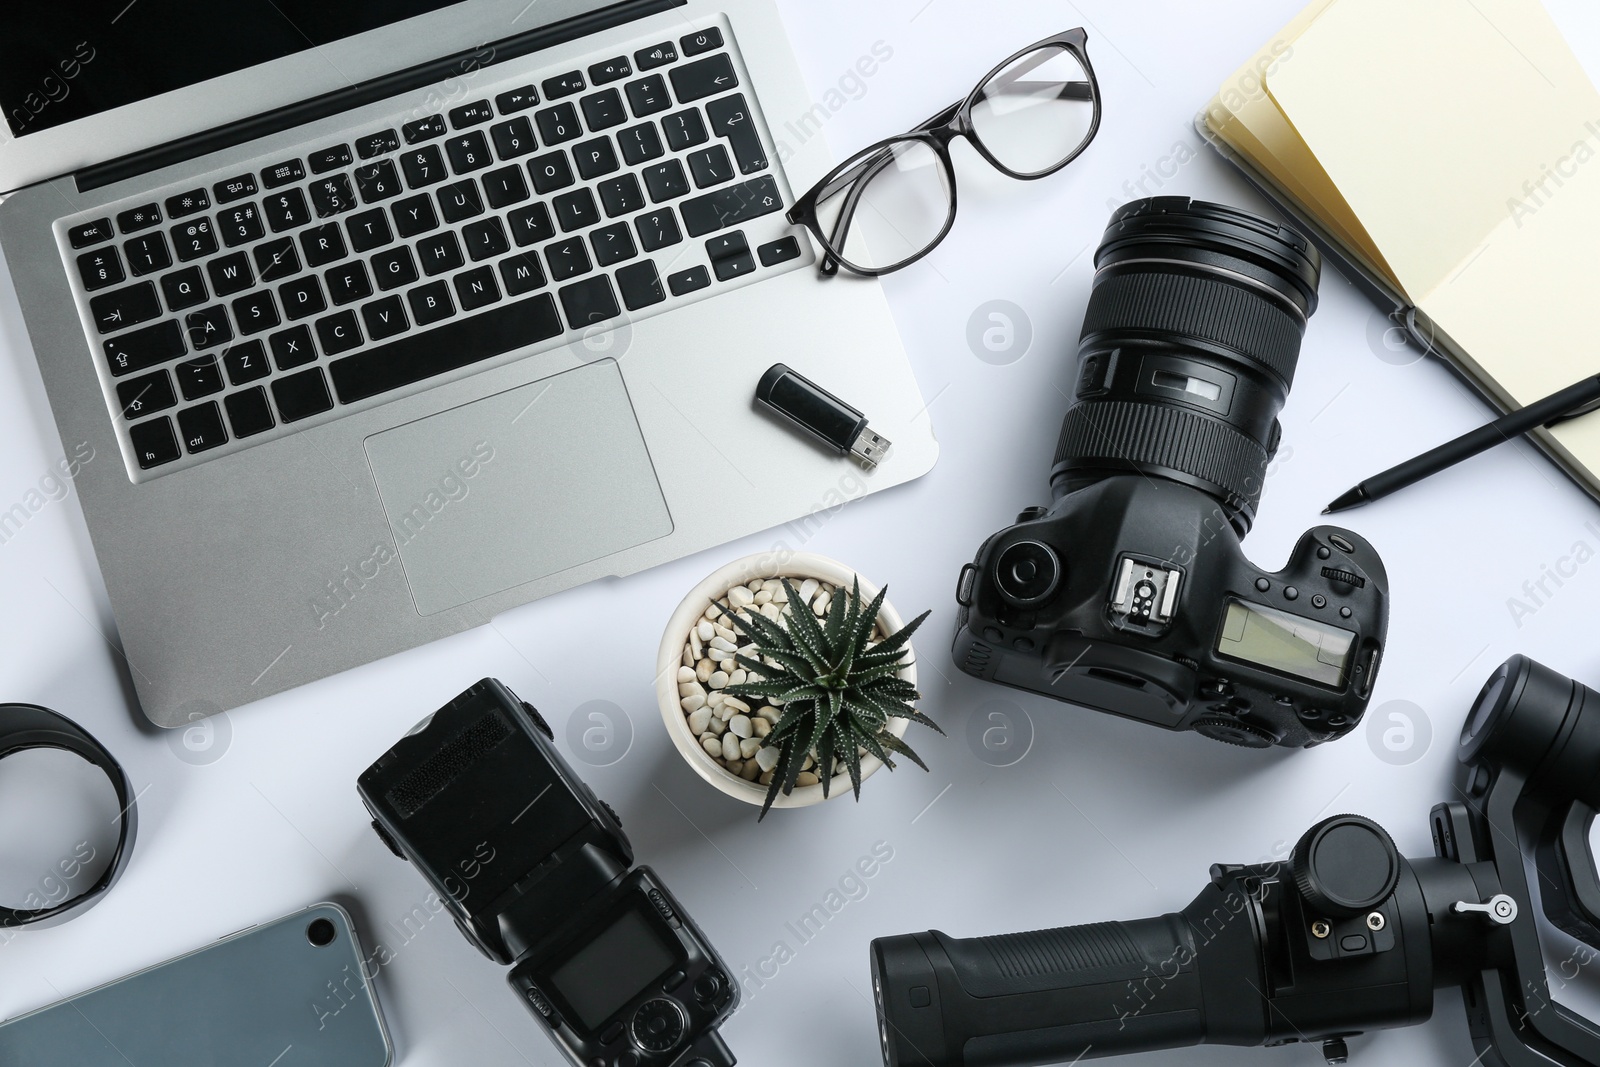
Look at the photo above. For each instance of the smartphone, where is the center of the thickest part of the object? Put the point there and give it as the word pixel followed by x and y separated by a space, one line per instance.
pixel 293 991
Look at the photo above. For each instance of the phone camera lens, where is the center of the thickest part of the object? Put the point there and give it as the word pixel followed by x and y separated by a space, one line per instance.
pixel 1027 572
pixel 321 933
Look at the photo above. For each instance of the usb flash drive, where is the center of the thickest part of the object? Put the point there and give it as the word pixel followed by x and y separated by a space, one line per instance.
pixel 817 411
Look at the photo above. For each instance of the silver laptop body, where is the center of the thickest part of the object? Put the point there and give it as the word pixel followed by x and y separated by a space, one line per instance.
pixel 322 428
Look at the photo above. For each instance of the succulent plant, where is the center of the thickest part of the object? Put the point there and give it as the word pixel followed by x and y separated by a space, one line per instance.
pixel 837 689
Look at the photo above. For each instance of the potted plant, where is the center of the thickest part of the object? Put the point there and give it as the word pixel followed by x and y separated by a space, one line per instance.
pixel 800 674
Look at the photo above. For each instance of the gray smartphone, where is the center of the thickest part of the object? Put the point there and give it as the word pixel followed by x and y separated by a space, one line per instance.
pixel 290 992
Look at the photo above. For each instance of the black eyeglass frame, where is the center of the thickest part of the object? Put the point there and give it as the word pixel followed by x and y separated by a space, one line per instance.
pixel 954 121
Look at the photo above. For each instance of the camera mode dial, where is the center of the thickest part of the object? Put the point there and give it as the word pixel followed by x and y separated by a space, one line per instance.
pixel 657 1026
pixel 1027 573
pixel 1345 866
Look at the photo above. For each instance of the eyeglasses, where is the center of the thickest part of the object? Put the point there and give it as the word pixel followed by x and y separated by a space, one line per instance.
pixel 889 205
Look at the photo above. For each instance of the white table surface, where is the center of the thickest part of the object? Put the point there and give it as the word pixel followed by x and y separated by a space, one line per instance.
pixel 1101 819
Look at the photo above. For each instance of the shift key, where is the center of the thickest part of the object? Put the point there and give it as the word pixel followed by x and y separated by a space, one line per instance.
pixel 145 348
pixel 730 206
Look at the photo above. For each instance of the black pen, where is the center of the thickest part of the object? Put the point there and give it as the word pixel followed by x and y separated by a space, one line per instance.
pixel 1541 413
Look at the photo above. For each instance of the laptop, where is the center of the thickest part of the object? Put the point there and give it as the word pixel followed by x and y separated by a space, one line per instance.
pixel 375 321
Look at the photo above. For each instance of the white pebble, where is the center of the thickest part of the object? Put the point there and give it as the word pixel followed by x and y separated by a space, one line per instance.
pixel 712 745
pixel 691 687
pixel 719 680
pixel 725 631
pixel 820 605
pixel 705 630
pixel 688 657
pixel 809 763
pixel 685 674
pixel 751 770
pixel 727 666
pixel 767 758
pixel 715 699
pixel 771 611
pixel 734 766
pixel 740 597
pixel 808 589
pixel 722 644
pixel 692 702
pixel 764 596
pixel 738 677
pixel 736 704
pixel 756 584
pixel 806 778
pixel 763 727
pixel 730 746
pixel 766 777
pixel 697 647
pixel 699 720
pixel 713 611
pixel 716 727
pixel 702 671
pixel 740 726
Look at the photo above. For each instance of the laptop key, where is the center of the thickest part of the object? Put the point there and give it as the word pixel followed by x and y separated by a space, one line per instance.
pixel 703 78
pixel 147 253
pixel 704 41
pixel 300 396
pixel 199 377
pixel 640 144
pixel 568 259
pixel 187 203
pixel 658 229
pixel 589 301
pixel 230 189
pixel 240 225
pixel 469 152
pixel 255 312
pixel 735 266
pixel 604 110
pixel 194 239
pixel 201 428
pixel 385 318
pixel 779 252
pixel 685 129
pixel 517 99
pixel 368 230
pixel 576 210
pixel 558 124
pixel 208 327
pixel 688 281
pixel 290 170
pixel 609 71
pixel 459 200
pixel 329 159
pixel 730 118
pixel 121 308
pixel 413 215
pixel 154 443
pixel 90 233
pixel 249 413
pixel 333 196
pixel 440 253
pixel 514 138
pixel 666 181
pixel 292 347
pixel 505 187
pixel 476 288
pixel 100 268
pixel 378 181
pixel 430 303
pixel 595 158
pixel 146 395
pixel 640 285
pixel 613 244
pixel 394 268
pixel 348 283
pixel 286 210
pixel 711 166
pixel 656 56
pixel 230 274
pixel 567 84
pixel 621 195
pixel 531 225
pixel 419 356
pixel 521 273
pixel 649 96
pixel 473 114
pixel 338 332
pixel 730 206
pixel 246 363
pixel 423 166
pixel 184 288
pixel 377 144
pixel 485 239
pixel 550 172
pixel 323 244
pixel 302 297
pixel 138 218
pixel 145 348
pixel 423 129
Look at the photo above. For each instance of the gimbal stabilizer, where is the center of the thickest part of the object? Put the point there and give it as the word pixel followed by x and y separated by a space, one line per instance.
pixel 1346 937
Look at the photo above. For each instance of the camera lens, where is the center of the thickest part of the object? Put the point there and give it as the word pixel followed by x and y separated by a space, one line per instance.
pixel 1188 350
pixel 321 933
pixel 1027 572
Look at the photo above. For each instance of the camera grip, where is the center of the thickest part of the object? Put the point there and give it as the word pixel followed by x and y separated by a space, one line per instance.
pixel 1046 996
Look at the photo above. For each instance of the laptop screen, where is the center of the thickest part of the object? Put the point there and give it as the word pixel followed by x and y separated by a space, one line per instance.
pixel 69 59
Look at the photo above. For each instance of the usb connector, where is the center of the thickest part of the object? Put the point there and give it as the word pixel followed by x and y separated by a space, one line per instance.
pixel 821 414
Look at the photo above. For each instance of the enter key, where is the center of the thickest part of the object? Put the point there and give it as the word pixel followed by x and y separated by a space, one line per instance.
pixel 730 118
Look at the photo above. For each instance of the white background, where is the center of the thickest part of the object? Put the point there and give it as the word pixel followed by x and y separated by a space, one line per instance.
pixel 1102 819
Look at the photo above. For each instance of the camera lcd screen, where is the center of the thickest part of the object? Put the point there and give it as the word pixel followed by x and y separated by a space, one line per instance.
pixel 1292 644
pixel 613 968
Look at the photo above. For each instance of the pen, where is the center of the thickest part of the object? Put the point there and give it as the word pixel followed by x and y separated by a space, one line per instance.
pixel 1541 413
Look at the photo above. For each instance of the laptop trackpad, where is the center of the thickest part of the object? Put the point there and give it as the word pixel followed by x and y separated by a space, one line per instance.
pixel 517 486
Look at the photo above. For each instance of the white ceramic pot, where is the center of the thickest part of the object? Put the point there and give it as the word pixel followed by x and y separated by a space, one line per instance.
pixel 797 567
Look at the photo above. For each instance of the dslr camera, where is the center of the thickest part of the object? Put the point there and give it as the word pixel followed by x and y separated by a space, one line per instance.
pixel 1130 594
pixel 539 875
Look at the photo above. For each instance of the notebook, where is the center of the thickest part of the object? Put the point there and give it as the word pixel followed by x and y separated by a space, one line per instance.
pixel 1448 153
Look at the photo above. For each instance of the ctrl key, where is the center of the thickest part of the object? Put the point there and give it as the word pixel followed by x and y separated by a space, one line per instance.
pixel 154 443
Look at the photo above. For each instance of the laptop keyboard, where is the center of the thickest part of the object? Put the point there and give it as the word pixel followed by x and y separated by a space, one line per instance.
pixel 258 303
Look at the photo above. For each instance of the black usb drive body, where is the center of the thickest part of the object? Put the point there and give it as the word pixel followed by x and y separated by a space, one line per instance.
pixel 820 413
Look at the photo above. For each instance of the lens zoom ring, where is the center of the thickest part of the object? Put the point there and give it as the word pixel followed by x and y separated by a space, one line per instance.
pixel 1204 308
pixel 1119 433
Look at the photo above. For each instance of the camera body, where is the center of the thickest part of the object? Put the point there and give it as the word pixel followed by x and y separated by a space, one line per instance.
pixel 1134 597
pixel 1130 594
pixel 538 874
